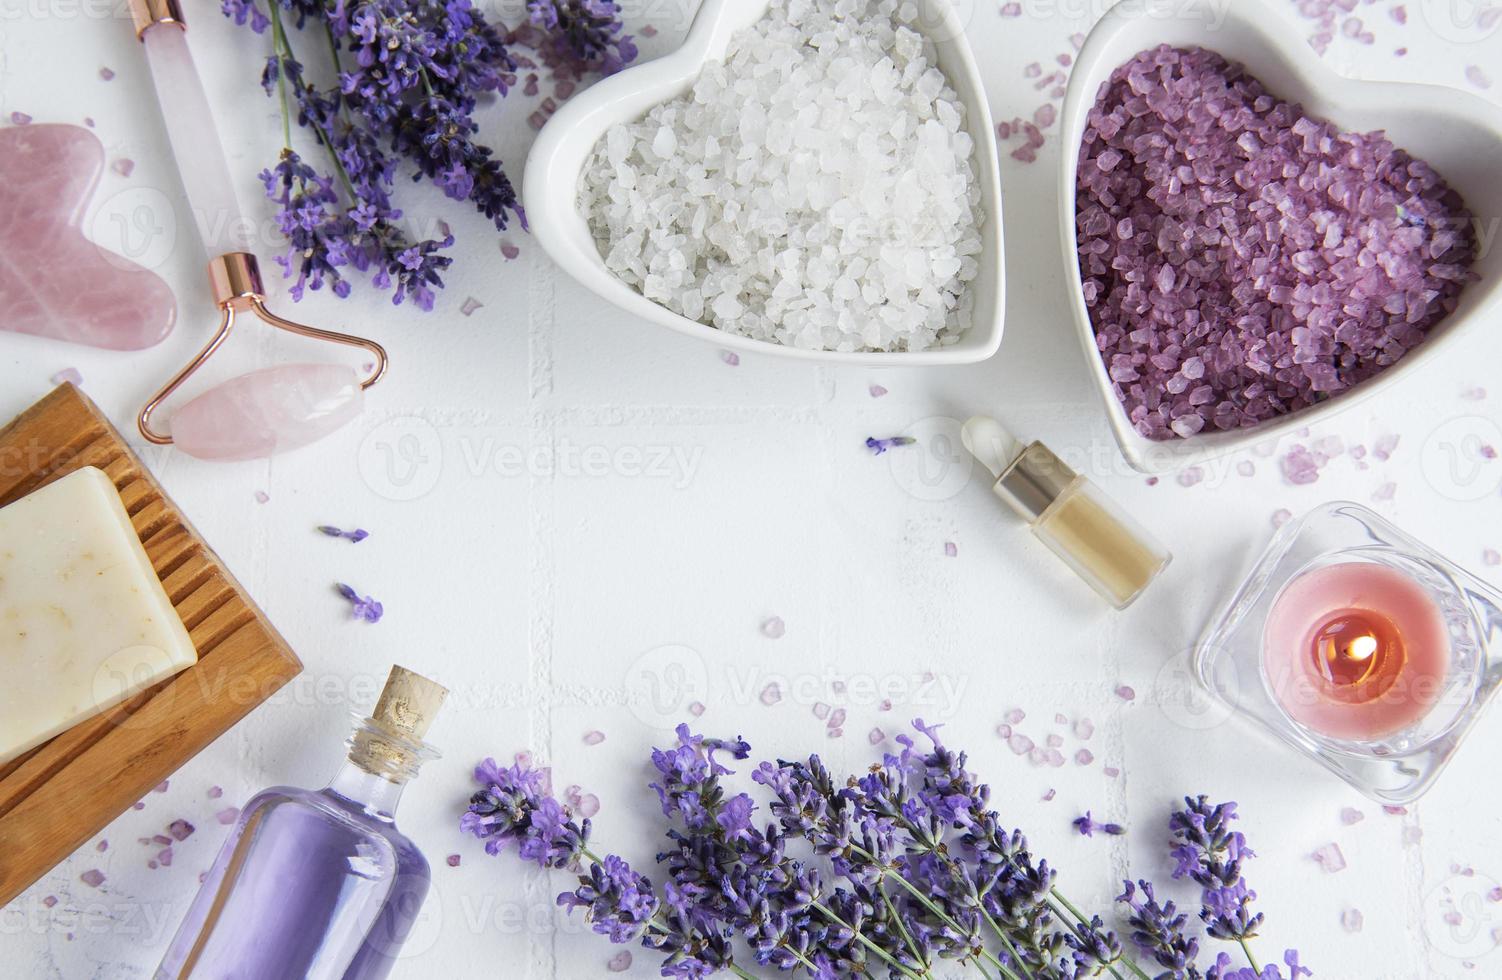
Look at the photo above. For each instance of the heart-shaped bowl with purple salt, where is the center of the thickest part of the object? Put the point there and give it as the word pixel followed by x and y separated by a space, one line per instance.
pixel 557 164
pixel 1262 243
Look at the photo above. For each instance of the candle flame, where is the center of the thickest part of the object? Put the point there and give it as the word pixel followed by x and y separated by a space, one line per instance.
pixel 1362 648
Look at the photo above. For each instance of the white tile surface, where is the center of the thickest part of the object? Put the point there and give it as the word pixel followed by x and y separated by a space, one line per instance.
pixel 554 598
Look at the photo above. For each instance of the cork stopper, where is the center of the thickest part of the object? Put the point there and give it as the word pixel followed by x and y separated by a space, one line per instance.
pixel 390 744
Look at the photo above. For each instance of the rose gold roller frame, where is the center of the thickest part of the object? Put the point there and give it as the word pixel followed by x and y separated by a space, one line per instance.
pixel 234 277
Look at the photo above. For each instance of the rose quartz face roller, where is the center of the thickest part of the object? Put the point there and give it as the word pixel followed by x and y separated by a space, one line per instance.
pixel 267 411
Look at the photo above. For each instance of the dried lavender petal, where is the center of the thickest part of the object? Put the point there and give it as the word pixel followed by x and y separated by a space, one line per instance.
pixel 1243 261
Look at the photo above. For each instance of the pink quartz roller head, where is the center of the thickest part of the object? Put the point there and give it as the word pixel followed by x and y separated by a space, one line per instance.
pixel 267 411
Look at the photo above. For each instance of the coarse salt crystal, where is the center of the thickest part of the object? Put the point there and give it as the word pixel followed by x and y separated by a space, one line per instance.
pixel 774 628
pixel 1351 920
pixel 1330 857
pixel 771 694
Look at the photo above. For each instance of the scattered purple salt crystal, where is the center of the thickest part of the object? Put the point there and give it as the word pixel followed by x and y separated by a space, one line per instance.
pixel 1054 740
pixel 262 496
pixel 180 830
pixel 49 901
pixel 1012 9
pixel 1025 154
pixel 1477 77
pixel 138 805
pixel 593 738
pixel 1033 70
pixel 1111 772
pixel 951 549
pixel 774 628
pixel 1351 920
pixel 1246 468
pixel 837 718
pixel 1495 895
pixel 469 305
pixel 162 786
pixel 367 609
pixel 697 709
pixel 1084 729
pixel 838 687
pixel 1282 516
pixel 355 536
pixel 1330 857
pixel 649 31
pixel 1053 757
pixel 510 251
pixel 165 857
pixel 215 792
pixel 1045 115
pixel 152 864
pixel 1049 796
pixel 161 839
pixel 1065 59
pixel 620 962
pixel 1412 835
pixel 565 88
pixel 1084 757
pixel 1300 467
pixel 20 118
pixel 123 166
pixel 228 815
pixel 1020 744
pixel 453 860
pixel 1383 447
pixel 1491 557
pixel 879 446
pixel 886 705
pixel 1153 481
pixel 1400 52
pixel 102 846
pixel 771 694
pixel 1350 815
pixel 821 710
pixel 877 391
pixel 1077 40
pixel 1003 131
pixel 1037 756
pixel 1004 731
pixel 1385 492
pixel 1125 692
pixel 588 805
pixel 1476 394
pixel 1015 716
pixel 1395 811
pixel 876 736
pixel 107 73
pixel 1060 718
pixel 92 877
pixel 69 375
pixel 1399 14
pixel 730 357
pixel 88 121
pixel 836 732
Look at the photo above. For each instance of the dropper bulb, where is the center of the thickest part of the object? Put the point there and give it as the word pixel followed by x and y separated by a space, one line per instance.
pixel 990 442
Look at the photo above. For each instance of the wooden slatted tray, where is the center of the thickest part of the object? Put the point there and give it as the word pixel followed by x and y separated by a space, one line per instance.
pixel 56 797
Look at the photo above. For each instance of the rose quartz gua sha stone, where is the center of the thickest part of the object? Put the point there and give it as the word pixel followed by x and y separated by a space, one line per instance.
pixel 54 282
pixel 268 411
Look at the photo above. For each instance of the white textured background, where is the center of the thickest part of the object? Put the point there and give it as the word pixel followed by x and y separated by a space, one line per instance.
pixel 545 594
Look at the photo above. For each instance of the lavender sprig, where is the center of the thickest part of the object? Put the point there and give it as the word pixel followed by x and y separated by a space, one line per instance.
pixel 364 608
pixel 903 867
pixel 354 537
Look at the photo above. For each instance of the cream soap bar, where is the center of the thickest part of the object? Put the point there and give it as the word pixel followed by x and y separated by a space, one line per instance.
pixel 84 620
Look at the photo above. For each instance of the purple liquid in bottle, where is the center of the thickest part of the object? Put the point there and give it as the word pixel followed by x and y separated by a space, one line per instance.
pixel 316 885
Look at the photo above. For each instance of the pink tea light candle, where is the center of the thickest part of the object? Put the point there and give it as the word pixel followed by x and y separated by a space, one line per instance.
pixel 1356 650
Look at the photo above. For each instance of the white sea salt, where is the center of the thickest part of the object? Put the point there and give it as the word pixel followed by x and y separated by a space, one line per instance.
pixel 817 189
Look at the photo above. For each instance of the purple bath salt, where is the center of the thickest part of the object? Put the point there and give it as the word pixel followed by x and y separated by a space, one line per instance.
pixel 1004 730
pixel 1330 857
pixel 1015 716
pixel 1084 757
pixel 1020 744
pixel 771 694
pixel 1242 260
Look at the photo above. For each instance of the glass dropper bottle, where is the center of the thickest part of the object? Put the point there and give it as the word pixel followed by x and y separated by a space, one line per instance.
pixel 1079 523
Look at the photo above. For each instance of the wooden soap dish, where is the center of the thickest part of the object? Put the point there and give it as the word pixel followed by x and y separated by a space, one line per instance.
pixel 56 797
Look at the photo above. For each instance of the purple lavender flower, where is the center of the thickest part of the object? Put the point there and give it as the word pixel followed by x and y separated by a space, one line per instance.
pixel 515 803
pixel 366 609
pixel 584 36
pixel 879 446
pixel 1211 854
pixel 1087 827
pixel 1158 931
pixel 355 536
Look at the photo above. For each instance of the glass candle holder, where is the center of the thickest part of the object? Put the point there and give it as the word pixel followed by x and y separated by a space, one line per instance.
pixel 1360 647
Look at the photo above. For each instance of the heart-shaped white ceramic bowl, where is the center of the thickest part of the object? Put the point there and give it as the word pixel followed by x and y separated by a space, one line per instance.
pixel 550 189
pixel 1460 134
